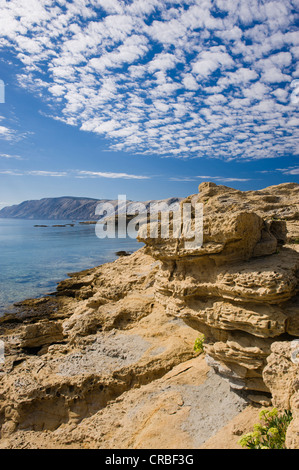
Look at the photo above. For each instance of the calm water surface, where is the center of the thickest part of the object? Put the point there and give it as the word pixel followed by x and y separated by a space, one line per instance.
pixel 34 259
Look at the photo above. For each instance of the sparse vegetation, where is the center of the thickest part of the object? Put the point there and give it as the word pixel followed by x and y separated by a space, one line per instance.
pixel 270 433
pixel 199 344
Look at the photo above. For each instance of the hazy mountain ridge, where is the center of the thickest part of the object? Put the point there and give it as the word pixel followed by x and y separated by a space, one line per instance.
pixel 65 208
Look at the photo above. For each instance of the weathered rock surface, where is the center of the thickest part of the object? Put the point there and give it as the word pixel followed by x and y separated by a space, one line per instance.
pixel 281 375
pixel 240 286
pixel 187 408
pixel 108 361
pixel 84 354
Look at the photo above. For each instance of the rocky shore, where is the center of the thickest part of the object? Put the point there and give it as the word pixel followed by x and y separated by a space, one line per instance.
pixel 108 361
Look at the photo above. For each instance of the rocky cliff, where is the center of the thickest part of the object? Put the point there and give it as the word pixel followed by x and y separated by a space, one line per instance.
pixel 67 208
pixel 108 362
pixel 240 287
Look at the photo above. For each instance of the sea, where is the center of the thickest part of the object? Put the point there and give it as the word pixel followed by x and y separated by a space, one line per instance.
pixel 34 259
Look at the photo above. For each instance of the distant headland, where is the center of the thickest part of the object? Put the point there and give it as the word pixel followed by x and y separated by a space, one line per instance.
pixel 66 208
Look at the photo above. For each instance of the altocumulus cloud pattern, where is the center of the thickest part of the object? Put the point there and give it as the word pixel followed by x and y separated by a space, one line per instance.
pixel 184 78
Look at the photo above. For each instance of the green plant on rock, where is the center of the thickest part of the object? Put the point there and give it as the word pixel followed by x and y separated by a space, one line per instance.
pixel 198 345
pixel 270 433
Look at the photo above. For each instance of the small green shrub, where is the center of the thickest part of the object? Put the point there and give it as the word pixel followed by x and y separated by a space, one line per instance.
pixel 270 433
pixel 198 345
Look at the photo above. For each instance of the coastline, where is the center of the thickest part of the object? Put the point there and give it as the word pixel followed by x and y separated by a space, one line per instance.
pixel 33 260
pixel 109 360
pixel 134 350
pixel 31 302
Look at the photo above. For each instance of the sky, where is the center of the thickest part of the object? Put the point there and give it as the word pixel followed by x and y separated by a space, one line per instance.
pixel 146 98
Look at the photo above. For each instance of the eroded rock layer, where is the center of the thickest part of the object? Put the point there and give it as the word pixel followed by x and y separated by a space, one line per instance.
pixel 67 357
pixel 240 287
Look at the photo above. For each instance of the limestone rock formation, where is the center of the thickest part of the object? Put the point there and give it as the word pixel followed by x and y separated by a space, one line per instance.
pixel 108 361
pixel 281 375
pixel 67 357
pixel 240 287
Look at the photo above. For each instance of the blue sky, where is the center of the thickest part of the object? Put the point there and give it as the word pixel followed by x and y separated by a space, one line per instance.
pixel 146 98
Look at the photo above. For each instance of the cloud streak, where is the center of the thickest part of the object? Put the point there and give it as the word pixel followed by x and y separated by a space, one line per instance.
pixel 289 171
pixel 6 133
pixel 73 174
pixel 109 175
pixel 223 179
pixel 8 156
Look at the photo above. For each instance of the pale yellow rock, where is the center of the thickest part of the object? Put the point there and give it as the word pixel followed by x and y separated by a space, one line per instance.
pixel 292 436
pixel 40 334
pixel 109 362
pixel 282 378
pixel 241 280
pixel 184 409
pixel 282 374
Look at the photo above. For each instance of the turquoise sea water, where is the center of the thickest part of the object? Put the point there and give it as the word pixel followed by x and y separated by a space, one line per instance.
pixel 34 259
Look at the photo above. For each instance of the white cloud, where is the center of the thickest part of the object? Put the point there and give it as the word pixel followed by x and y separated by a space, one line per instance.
pixel 274 75
pixel 183 179
pixel 189 82
pixel 155 77
pixel 257 91
pixel 132 49
pixel 99 127
pixel 113 6
pixel 161 106
pixel 162 62
pixel 211 60
pixel 74 174
pixel 167 32
pixel 239 78
pixel 223 178
pixel 57 90
pixel 56 174
pixel 110 175
pixel 6 133
pixel 11 172
pixel 289 171
pixel 281 95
